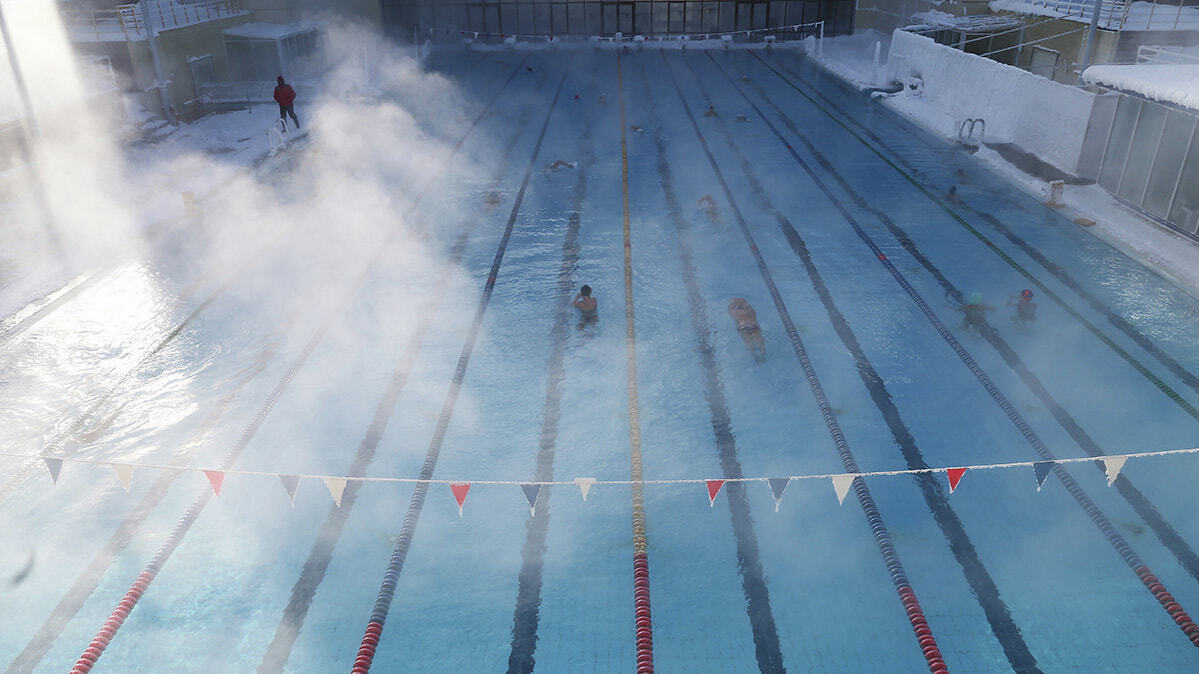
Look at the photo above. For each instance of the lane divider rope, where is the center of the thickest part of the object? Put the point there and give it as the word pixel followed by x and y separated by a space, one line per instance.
pixel 641 601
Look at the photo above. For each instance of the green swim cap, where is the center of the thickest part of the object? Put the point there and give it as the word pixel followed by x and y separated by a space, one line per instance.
pixel 976 298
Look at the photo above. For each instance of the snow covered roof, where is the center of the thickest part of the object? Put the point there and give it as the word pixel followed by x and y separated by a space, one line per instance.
pixel 268 31
pixel 1114 14
pixel 979 23
pixel 1168 83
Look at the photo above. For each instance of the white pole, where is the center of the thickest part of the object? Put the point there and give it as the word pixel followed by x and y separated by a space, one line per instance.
pixel 1086 58
pixel 31 122
pixel 159 77
pixel 820 42
pixel 878 47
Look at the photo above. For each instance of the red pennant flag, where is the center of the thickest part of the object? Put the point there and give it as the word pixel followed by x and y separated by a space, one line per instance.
pixel 713 489
pixel 216 478
pixel 460 489
pixel 955 476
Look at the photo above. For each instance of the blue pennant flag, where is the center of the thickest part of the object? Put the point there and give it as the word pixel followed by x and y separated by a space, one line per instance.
pixel 1041 469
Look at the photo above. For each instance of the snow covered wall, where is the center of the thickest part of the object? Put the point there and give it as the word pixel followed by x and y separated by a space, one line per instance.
pixel 1041 116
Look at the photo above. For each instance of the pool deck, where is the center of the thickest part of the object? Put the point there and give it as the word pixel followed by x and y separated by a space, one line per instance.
pixel 1170 254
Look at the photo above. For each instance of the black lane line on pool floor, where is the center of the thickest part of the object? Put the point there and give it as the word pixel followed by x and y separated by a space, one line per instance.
pixel 1097 517
pixel 749 560
pixel 526 615
pixel 184 524
pixel 1144 508
pixel 395 564
pixel 1056 270
pixel 882 536
pixel 87 582
pixel 321 554
pixel 982 585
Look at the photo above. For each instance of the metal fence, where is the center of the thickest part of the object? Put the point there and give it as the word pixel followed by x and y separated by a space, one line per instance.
pixel 128 23
pixel 608 17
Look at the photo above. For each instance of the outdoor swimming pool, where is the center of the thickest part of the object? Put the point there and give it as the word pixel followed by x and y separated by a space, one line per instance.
pixel 831 218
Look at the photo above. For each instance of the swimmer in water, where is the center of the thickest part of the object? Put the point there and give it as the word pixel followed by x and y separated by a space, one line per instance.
pixel 952 196
pixel 561 164
pixel 635 129
pixel 711 111
pixel 588 307
pixel 1026 309
pixel 491 201
pixel 708 205
pixel 976 312
pixel 742 118
pixel 746 319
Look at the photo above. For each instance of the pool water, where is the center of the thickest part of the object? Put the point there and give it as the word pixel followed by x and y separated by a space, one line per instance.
pixel 457 356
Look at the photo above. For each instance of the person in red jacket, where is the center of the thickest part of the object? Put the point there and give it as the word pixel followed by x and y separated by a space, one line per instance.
pixel 285 96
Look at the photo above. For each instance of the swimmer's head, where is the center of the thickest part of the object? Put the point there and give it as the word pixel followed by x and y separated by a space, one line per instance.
pixel 1026 294
pixel 585 291
pixel 953 189
pixel 976 298
pixel 737 303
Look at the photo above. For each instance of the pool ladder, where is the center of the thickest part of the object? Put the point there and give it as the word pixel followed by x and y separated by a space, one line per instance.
pixel 966 132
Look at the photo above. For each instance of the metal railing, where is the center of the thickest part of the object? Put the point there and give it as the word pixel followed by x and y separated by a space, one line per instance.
pixel 1112 13
pixel 1156 54
pixel 126 22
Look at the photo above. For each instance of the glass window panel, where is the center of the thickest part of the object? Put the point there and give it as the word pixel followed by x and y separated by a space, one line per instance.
pixel 711 17
pixel 728 16
pixel 1140 153
pixel 643 19
pixel 574 17
pixel 592 23
pixel 542 24
pixel 508 19
pixel 676 17
pixel 1184 212
pixel 558 19
pixel 524 18
pixel 1172 150
pixel 661 13
pixel 610 24
pixel 778 13
pixel 1117 142
pixel 694 23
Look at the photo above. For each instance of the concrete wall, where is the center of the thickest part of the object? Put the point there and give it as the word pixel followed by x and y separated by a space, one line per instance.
pixel 1043 117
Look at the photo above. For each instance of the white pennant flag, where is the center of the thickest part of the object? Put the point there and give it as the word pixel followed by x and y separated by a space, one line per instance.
pixel 841 484
pixel 585 484
pixel 1112 466
pixel 336 486
pixel 124 473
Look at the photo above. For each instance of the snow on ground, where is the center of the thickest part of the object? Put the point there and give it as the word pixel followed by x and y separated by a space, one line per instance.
pixel 851 57
pixel 198 158
pixel 1168 83
pixel 1172 255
